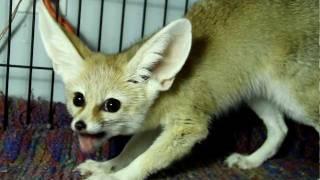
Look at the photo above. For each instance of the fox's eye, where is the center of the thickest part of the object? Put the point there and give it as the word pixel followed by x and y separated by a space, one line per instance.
pixel 111 105
pixel 78 99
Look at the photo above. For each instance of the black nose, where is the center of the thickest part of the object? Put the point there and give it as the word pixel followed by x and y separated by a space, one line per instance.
pixel 80 125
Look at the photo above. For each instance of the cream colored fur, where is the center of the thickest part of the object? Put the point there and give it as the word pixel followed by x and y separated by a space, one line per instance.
pixel 264 53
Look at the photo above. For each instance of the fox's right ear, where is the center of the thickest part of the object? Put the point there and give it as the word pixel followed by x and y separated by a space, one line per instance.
pixel 66 60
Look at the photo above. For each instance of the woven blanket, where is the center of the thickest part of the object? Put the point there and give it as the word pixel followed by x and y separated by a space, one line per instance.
pixel 36 150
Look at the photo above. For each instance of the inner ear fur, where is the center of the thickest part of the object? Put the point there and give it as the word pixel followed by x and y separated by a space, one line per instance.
pixel 82 49
pixel 163 55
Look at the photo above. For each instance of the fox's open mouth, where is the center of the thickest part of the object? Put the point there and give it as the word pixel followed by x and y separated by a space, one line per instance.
pixel 88 142
pixel 96 135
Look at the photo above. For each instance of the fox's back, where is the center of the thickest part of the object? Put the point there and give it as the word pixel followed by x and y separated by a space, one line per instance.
pixel 252 31
pixel 237 42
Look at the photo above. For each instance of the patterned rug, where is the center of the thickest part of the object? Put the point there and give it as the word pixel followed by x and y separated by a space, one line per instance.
pixel 36 151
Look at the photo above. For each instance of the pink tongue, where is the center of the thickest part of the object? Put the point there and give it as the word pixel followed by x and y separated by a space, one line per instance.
pixel 86 144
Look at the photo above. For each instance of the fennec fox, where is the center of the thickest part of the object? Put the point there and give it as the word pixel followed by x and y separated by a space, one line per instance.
pixel 166 88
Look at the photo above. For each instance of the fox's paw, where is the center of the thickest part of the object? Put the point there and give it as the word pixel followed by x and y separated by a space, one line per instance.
pixel 241 161
pixel 94 167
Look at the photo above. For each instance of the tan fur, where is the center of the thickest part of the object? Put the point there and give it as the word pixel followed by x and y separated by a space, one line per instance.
pixel 262 52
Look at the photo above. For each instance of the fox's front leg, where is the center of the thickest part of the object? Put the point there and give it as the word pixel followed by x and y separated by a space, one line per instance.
pixel 136 146
pixel 172 144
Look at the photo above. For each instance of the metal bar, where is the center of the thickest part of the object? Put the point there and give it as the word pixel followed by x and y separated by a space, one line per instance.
pixel 53 77
pixel 122 24
pixel 51 100
pixel 144 18
pixel 6 103
pixel 25 67
pixel 31 62
pixel 186 7
pixel 79 17
pixel 165 12
pixel 57 3
pixel 100 26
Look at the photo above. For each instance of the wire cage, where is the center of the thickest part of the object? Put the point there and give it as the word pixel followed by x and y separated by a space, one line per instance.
pixel 130 19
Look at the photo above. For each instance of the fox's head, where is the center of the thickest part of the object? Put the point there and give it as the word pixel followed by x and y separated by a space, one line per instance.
pixel 110 95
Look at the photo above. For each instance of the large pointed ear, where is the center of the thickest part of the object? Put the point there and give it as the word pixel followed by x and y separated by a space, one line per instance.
pixel 162 56
pixel 66 60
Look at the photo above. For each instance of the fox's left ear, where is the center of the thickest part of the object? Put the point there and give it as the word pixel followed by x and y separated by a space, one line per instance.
pixel 66 59
pixel 162 56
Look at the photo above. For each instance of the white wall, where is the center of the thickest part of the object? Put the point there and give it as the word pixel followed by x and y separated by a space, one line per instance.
pixel 90 17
